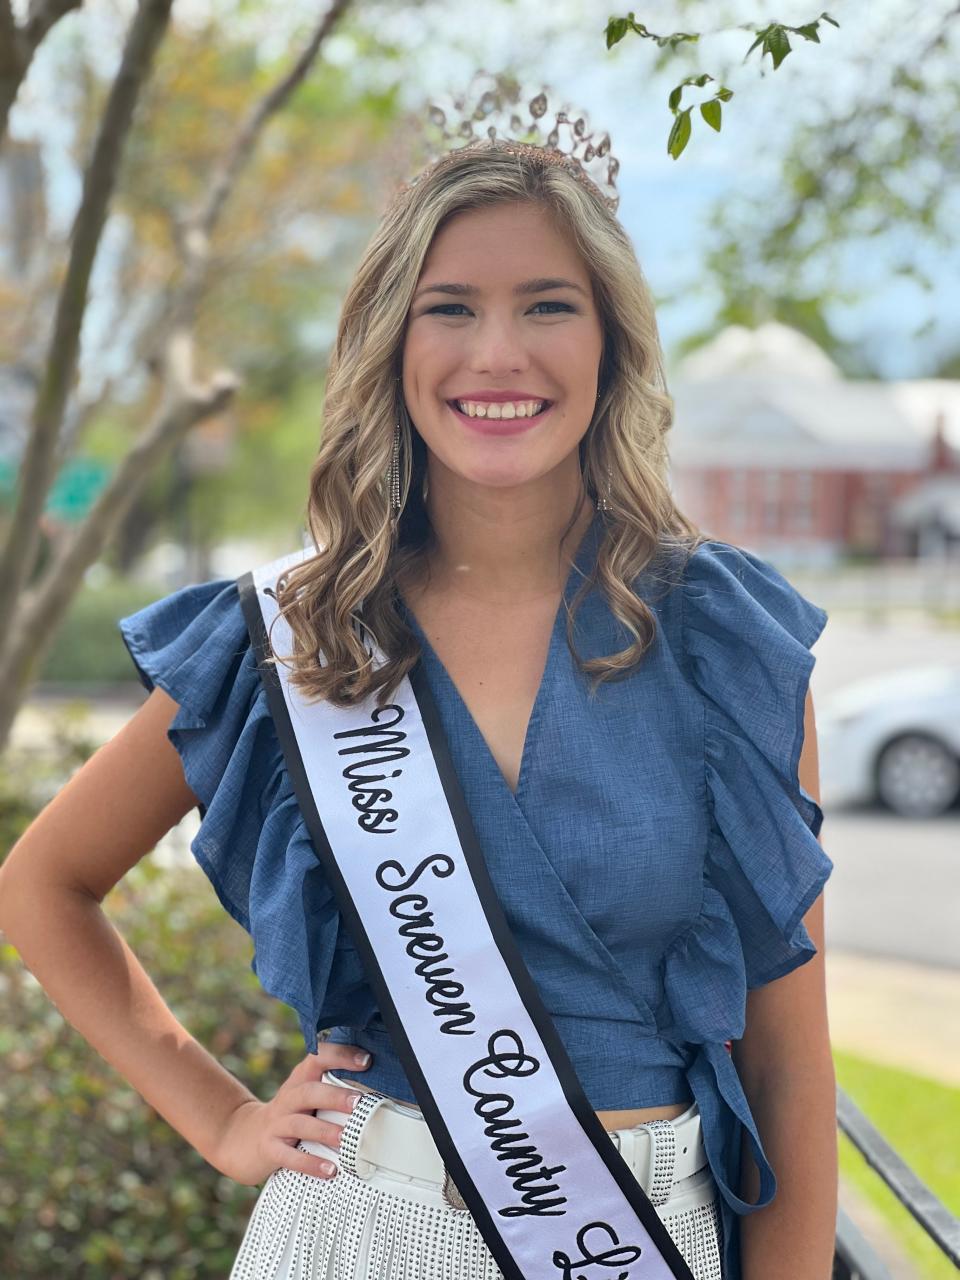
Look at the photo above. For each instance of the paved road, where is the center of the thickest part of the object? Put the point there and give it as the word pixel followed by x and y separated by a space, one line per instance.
pixel 852 648
pixel 895 888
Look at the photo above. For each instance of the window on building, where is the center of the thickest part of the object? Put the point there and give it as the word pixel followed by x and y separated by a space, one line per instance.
pixel 771 503
pixel 739 499
pixel 803 501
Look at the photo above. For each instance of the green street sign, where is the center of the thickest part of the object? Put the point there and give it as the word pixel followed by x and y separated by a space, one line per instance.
pixel 74 491
pixel 77 487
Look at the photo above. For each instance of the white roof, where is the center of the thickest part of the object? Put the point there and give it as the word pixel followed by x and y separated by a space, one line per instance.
pixel 923 398
pixel 770 348
pixel 769 396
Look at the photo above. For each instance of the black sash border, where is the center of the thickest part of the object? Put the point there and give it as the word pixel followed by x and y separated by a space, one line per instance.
pixel 502 934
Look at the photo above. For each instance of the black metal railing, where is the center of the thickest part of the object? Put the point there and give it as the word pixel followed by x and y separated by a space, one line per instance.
pixel 855 1258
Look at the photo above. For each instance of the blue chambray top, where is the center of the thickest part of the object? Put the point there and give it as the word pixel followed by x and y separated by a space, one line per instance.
pixel 654 864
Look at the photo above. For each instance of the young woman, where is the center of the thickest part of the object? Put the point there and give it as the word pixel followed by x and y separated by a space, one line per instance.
pixel 627 707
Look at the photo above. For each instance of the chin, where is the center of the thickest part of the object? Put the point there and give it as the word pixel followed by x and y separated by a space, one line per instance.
pixel 501 479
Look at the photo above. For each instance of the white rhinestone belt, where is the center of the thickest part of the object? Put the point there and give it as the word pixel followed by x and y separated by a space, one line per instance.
pixel 377 1135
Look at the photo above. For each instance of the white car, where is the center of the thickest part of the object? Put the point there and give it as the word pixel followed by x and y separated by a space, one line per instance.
pixel 893 739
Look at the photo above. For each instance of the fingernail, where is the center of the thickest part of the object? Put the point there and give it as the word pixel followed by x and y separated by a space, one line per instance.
pixel 355 1098
pixel 361 1059
pixel 327 1168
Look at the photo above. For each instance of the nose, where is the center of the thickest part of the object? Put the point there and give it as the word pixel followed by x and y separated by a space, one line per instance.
pixel 497 348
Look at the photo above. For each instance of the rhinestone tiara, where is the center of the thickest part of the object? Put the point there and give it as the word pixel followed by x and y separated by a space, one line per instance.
pixel 492 104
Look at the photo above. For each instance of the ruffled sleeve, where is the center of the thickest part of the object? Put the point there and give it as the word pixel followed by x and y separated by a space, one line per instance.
pixel 252 842
pixel 748 634
pixel 746 640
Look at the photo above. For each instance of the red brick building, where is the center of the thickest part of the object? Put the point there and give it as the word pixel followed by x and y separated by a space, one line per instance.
pixel 773 449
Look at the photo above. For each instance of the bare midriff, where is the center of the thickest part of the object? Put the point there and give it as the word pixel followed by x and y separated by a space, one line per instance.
pixel 626 1119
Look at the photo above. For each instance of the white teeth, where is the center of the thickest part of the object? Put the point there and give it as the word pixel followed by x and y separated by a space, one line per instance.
pixel 487 409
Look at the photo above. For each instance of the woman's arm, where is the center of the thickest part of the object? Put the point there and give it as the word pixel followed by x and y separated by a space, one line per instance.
pixel 786 1066
pixel 112 812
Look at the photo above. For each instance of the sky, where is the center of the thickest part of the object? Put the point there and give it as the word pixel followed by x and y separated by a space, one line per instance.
pixel 666 205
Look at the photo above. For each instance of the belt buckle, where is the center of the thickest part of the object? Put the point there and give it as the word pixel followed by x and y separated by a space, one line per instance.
pixel 450 1193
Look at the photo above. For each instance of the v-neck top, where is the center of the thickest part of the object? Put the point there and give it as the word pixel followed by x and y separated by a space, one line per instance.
pixel 655 863
pixel 438 675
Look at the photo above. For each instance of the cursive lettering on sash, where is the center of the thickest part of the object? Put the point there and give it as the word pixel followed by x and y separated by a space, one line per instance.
pixel 423 943
pixel 620 1257
pixel 373 802
pixel 506 1057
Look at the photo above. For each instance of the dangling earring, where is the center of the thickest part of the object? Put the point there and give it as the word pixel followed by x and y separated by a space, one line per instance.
pixel 394 475
pixel 603 499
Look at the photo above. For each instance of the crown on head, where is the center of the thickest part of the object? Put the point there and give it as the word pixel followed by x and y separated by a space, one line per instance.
pixel 491 103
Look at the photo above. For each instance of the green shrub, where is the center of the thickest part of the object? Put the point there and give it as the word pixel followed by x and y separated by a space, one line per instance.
pixel 29 778
pixel 88 648
pixel 94 1184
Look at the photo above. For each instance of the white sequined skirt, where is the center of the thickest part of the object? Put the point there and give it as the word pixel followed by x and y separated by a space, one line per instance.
pixel 387 1227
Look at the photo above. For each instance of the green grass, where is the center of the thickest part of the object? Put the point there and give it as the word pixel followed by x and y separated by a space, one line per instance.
pixel 920 1118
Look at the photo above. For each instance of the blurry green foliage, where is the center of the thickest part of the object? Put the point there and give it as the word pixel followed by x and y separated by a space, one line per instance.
pixel 88 648
pixel 94 1184
pixel 264 489
pixel 30 778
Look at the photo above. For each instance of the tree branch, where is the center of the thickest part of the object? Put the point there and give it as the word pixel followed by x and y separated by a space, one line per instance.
pixel 36 471
pixel 41 608
pixel 198 230
pixel 44 14
pixel 15 56
pixel 19 44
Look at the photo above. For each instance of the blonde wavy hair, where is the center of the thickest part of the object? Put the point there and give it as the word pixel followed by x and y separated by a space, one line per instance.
pixel 352 583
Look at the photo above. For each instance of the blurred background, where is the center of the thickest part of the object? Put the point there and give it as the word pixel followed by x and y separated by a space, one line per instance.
pixel 175 242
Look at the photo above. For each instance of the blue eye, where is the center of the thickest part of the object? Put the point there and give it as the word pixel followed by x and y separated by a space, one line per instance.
pixel 446 307
pixel 564 306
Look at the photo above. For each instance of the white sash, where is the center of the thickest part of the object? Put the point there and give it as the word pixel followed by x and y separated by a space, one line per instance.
pixel 552 1196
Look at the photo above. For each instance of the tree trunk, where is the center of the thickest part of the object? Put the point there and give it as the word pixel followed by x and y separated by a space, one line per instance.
pixel 33 615
pixel 43 607
pixel 19 44
pixel 39 459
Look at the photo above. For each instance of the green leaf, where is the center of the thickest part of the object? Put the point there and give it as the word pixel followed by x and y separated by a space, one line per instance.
pixel 777 44
pixel 711 113
pixel 761 39
pixel 679 134
pixel 674 100
pixel 678 37
pixel 809 32
pixel 724 94
pixel 617 28
pixel 826 18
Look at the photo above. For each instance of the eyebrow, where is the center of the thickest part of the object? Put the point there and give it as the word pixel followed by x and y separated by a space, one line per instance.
pixel 540 284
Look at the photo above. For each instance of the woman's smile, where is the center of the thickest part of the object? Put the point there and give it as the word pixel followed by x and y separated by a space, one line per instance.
pixel 499 426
